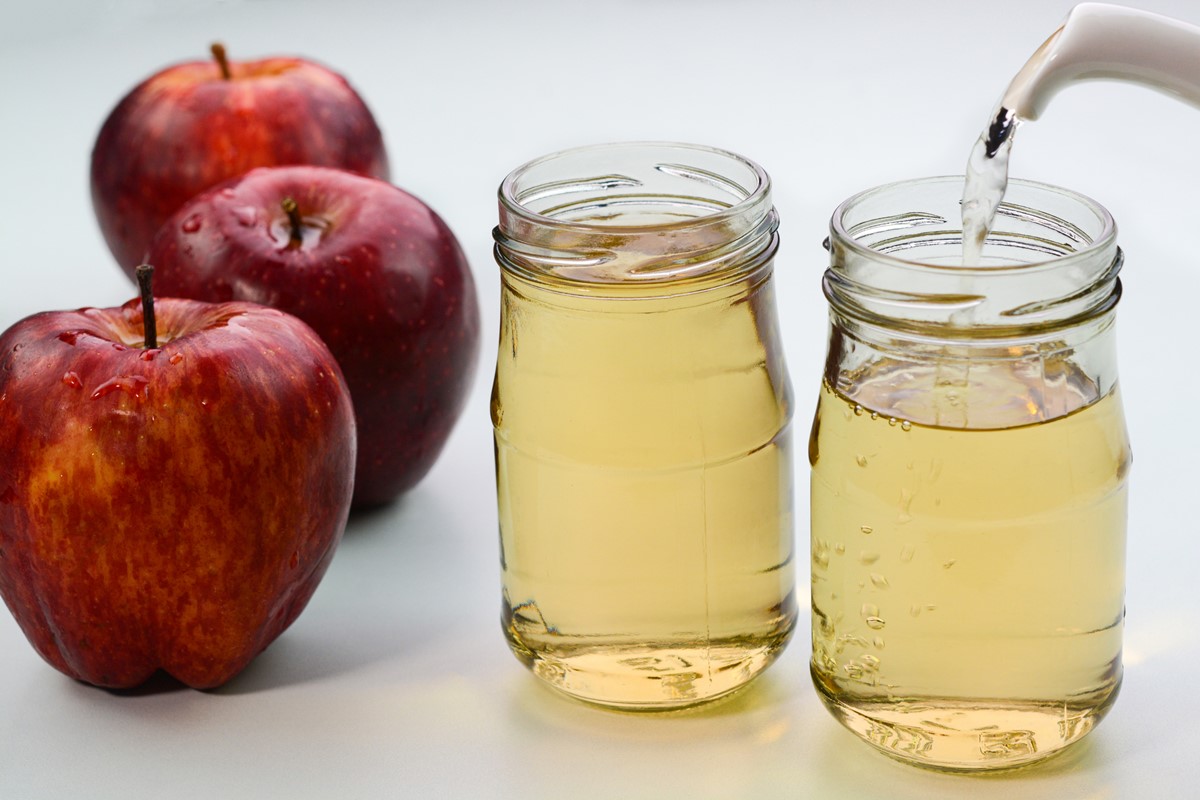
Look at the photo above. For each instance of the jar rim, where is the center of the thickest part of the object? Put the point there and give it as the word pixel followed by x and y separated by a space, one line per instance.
pixel 512 203
pixel 895 257
pixel 1101 241
pixel 636 218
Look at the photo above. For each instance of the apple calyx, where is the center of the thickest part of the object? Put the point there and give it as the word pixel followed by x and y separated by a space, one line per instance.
pixel 218 52
pixel 296 225
pixel 145 277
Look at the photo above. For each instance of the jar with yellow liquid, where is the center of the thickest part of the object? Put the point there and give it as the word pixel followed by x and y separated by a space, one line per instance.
pixel 969 460
pixel 642 417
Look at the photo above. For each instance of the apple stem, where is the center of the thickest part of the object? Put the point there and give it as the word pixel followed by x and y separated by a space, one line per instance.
pixel 293 214
pixel 145 276
pixel 218 51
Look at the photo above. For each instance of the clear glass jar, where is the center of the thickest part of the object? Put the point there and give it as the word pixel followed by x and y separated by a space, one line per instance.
pixel 969 460
pixel 642 417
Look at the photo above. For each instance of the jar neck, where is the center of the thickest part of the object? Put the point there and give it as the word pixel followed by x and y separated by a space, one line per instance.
pixel 971 383
pixel 636 220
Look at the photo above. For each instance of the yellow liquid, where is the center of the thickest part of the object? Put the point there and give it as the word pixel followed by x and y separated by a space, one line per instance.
pixel 968 584
pixel 644 475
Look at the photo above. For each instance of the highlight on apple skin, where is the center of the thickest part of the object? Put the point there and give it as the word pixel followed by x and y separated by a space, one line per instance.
pixel 170 507
pixel 193 125
pixel 376 273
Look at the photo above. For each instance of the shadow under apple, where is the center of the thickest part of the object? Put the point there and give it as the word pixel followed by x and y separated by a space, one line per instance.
pixel 383 600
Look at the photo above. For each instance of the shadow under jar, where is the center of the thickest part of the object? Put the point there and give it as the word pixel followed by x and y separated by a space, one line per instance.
pixel 969 460
pixel 642 417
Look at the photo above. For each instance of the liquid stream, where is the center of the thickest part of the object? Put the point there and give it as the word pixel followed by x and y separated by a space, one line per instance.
pixel 986 182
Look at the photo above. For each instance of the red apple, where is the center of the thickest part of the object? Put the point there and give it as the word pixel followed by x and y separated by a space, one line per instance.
pixel 197 124
pixel 373 270
pixel 169 507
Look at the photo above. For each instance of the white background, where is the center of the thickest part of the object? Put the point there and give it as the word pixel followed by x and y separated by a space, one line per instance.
pixel 396 681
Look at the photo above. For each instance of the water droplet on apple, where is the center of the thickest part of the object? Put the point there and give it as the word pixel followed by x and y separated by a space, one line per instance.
pixel 227 192
pixel 294 561
pixel 246 215
pixel 148 355
pixel 191 224
pixel 72 380
pixel 68 337
pixel 120 348
pixel 132 385
pixel 175 359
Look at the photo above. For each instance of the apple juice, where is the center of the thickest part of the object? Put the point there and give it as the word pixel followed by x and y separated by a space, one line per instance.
pixel 968 583
pixel 643 452
pixel 645 495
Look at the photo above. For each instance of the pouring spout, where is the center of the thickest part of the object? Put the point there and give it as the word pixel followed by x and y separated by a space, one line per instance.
pixel 1103 41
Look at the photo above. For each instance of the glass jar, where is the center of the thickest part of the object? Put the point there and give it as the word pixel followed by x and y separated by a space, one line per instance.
pixel 969 459
pixel 642 417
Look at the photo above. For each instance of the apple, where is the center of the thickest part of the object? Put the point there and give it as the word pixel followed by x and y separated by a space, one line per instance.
pixel 169 499
pixel 197 124
pixel 376 273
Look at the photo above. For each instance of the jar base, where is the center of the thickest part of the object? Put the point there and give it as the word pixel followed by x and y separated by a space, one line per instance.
pixel 661 676
pixel 958 735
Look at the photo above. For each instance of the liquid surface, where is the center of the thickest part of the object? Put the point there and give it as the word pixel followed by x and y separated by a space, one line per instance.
pixel 968 584
pixel 644 474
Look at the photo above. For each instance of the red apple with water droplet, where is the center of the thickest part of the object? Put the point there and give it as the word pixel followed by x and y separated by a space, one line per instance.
pixel 373 270
pixel 194 125
pixel 172 504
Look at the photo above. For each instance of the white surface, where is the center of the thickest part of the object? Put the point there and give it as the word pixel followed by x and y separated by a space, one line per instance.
pixel 396 681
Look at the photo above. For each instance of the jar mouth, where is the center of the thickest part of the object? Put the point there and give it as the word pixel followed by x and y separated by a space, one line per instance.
pixel 524 193
pixel 1080 243
pixel 1050 261
pixel 635 213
